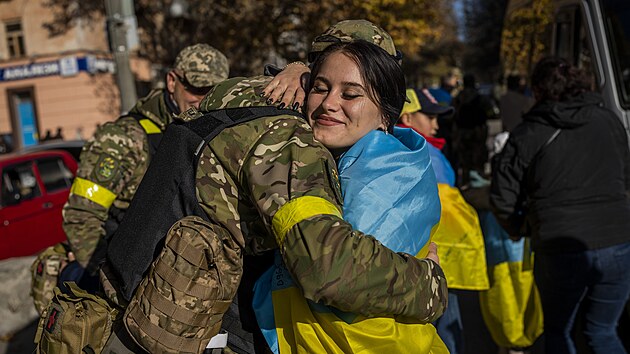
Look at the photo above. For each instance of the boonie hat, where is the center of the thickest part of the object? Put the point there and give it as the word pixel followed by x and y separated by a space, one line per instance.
pixel 202 65
pixel 423 101
pixel 349 30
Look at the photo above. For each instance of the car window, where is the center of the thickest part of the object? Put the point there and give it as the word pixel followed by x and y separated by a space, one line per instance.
pixel 54 174
pixel 75 151
pixel 19 184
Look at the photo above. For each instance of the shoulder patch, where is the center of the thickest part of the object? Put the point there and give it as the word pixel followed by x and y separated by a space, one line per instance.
pixel 333 177
pixel 106 168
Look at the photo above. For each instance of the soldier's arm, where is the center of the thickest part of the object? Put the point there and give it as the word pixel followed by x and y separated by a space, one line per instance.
pixel 292 179
pixel 106 165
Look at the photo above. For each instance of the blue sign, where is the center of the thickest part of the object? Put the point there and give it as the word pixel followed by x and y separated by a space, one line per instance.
pixel 66 66
pixel 29 71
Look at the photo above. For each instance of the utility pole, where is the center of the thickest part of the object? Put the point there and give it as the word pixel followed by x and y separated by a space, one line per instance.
pixel 120 14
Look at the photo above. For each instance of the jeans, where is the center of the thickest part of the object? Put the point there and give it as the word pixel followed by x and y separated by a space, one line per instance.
pixel 449 326
pixel 598 281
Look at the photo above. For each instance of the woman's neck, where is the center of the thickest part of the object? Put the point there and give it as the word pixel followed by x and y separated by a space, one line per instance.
pixel 337 153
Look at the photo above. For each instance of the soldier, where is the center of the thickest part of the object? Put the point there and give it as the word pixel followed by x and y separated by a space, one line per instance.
pixel 267 184
pixel 114 161
pixel 112 164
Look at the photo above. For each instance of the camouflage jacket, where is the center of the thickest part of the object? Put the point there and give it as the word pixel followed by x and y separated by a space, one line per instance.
pixel 271 185
pixel 111 167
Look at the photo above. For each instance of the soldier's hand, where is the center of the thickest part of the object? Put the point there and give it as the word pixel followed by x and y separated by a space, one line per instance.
pixel 433 255
pixel 288 87
pixel 64 263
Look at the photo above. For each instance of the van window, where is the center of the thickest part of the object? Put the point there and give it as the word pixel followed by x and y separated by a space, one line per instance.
pixel 571 39
pixel 617 21
pixel 19 184
pixel 54 174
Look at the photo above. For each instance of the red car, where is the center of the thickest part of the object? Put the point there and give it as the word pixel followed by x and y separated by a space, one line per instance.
pixel 35 187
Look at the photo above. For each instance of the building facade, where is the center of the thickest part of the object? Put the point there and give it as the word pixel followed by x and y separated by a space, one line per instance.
pixel 53 86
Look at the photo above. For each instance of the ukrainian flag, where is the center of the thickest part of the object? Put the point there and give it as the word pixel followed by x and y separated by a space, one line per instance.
pixel 390 192
pixel 459 237
pixel 511 308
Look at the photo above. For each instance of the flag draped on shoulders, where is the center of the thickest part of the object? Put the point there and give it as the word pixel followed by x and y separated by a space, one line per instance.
pixel 390 191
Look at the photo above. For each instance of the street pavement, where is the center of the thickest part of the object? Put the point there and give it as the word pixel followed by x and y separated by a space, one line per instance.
pixel 18 316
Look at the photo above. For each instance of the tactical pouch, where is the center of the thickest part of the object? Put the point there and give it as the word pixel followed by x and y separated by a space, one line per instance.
pixel 180 303
pixel 76 322
pixel 44 275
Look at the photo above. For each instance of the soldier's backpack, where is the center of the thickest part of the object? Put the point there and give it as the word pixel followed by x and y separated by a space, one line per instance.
pixel 178 269
pixel 75 322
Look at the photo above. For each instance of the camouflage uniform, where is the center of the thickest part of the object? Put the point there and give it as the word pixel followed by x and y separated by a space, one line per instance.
pixel 271 185
pixel 115 159
pixel 112 165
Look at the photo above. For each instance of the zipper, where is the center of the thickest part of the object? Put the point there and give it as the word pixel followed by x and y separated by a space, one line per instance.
pixel 80 312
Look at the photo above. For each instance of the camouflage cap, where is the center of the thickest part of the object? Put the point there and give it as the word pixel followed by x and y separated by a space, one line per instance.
pixel 202 65
pixel 349 30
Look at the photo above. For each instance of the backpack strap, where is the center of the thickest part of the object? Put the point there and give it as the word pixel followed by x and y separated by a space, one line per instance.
pixel 542 148
pixel 214 122
pixel 525 228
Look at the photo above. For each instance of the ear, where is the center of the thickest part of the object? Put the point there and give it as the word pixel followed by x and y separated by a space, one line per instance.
pixel 170 82
pixel 405 119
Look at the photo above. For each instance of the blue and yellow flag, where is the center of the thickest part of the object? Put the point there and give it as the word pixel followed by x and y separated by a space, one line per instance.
pixel 511 308
pixel 460 242
pixel 390 192
pixel 459 237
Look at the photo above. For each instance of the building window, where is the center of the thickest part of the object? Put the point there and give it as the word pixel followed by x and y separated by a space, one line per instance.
pixel 15 39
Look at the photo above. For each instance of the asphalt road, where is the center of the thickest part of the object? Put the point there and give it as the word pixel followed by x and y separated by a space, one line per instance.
pixel 18 317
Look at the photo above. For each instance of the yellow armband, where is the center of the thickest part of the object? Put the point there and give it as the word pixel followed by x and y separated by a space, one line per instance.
pixel 297 210
pixel 93 192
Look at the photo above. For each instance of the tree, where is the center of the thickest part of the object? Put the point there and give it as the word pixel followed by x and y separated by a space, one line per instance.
pixel 524 36
pixel 483 22
pixel 254 32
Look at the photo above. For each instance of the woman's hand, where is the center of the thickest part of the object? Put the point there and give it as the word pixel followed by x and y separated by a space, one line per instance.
pixel 288 87
pixel 433 255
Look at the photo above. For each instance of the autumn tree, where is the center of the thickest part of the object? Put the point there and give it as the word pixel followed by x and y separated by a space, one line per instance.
pixel 254 32
pixel 524 36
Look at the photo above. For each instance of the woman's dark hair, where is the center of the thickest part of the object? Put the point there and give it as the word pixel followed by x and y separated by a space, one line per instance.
pixel 380 71
pixel 555 79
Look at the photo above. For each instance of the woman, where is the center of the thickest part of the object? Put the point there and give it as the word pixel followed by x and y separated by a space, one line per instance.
pixel 355 96
pixel 568 163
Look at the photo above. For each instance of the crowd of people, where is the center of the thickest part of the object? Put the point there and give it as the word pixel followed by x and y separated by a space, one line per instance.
pixel 326 208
